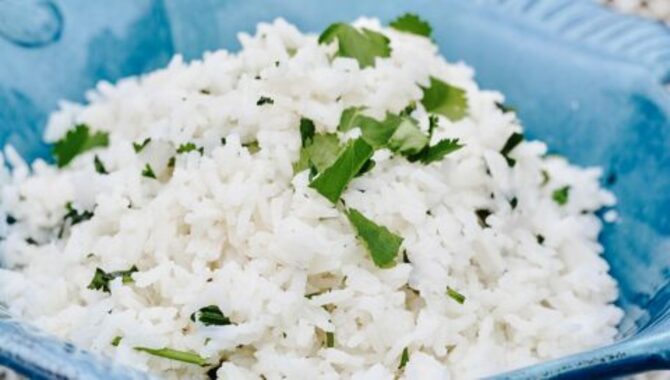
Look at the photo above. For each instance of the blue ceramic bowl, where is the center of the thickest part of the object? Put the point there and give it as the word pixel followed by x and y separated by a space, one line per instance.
pixel 589 82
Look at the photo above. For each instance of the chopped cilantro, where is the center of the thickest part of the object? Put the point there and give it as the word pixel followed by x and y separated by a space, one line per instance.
pixel 405 258
pixel 513 203
pixel 115 342
pixel 436 152
pixel 74 216
pixel 411 23
pixel 264 100
pixel 182 356
pixel 307 130
pixel 171 162
pixel 561 195
pixel 505 108
pixel 433 122
pixel 77 141
pixel 101 279
pixel 404 358
pixel 334 179
pixel 211 315
pixel 540 238
pixel 330 339
pixel 456 296
pixel 10 219
pixel 138 147
pixel 252 146
pixel 511 143
pixel 223 141
pixel 363 45
pixel 99 166
pixel 445 99
pixel 407 111
pixel 189 147
pixel 319 154
pixel 382 244
pixel 374 132
pixel 407 139
pixel 482 214
pixel 545 177
pixel 367 166
pixel 148 172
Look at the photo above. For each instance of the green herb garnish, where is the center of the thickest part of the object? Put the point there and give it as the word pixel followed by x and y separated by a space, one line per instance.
pixel 411 23
pixel 319 154
pixel 511 143
pixel 99 166
pixel 513 203
pixel 482 214
pixel 445 99
pixel 436 152
pixel 77 141
pixel 407 139
pixel 148 172
pixel 182 356
pixel 456 296
pixel 330 339
pixel 115 342
pixel 363 45
pixel 74 216
pixel 189 147
pixel 211 315
pixel 264 100
pixel 138 147
pixel 307 131
pixel 382 244
pixel 404 358
pixel 333 180
pixel 561 195
pixel 101 279
pixel 545 177
pixel 252 146
pixel 505 108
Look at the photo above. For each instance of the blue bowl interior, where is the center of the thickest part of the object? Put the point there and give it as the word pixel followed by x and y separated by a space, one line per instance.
pixel 588 82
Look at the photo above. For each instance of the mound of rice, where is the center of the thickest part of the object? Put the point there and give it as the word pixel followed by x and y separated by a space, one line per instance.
pixel 235 227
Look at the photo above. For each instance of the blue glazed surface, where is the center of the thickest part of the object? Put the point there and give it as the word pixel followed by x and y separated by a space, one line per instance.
pixel 589 82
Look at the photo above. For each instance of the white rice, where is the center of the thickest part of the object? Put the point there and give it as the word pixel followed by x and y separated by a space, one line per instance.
pixel 240 231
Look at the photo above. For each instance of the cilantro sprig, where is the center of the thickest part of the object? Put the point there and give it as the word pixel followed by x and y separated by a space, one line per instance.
pixel 101 279
pixel 364 45
pixel 382 244
pixel 211 316
pixel 444 99
pixel 77 141
pixel 169 353
pixel 411 23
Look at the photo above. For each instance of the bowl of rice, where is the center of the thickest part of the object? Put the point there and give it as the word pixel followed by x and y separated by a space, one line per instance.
pixel 303 190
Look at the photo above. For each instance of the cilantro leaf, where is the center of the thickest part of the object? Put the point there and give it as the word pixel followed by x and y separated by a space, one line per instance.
pixel 482 214
pixel 404 358
pixel 182 356
pixel 445 99
pixel 456 296
pixel 436 152
pixel 505 108
pixel 189 147
pixel 264 100
pixel 320 153
pixel 307 131
pixel 407 139
pixel 99 166
pixel 382 244
pixel 77 141
pixel 74 216
pixel 253 147
pixel 101 279
pixel 138 147
pixel 116 341
pixel 330 339
pixel 411 23
pixel 211 315
pixel 374 132
pixel 511 143
pixel 561 195
pixel 363 45
pixel 334 179
pixel 148 172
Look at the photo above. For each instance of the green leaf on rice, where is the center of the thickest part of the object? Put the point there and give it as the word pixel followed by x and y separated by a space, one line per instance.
pixel 411 23
pixel 382 244
pixel 445 99
pixel 77 141
pixel 364 45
